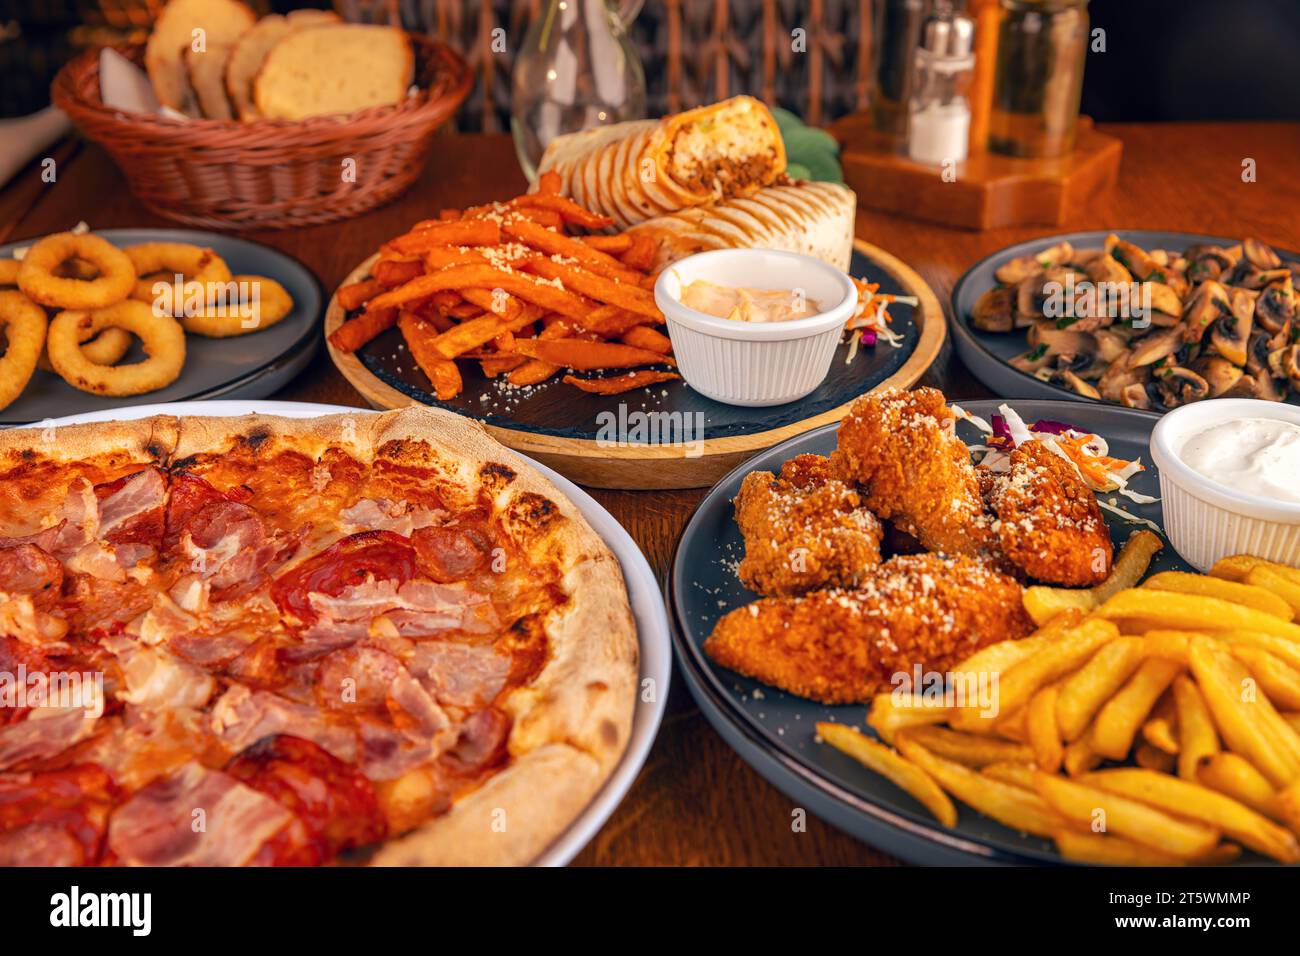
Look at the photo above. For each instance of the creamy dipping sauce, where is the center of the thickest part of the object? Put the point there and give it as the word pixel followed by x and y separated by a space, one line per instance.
pixel 747 305
pixel 1256 456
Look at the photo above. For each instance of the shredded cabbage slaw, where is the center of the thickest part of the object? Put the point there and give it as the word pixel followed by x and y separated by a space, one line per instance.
pixel 1088 452
pixel 870 323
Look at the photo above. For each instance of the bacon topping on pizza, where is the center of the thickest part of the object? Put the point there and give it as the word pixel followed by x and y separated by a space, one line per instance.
pixel 290 646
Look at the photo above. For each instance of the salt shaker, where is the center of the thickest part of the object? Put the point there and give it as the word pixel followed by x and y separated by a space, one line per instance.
pixel 938 128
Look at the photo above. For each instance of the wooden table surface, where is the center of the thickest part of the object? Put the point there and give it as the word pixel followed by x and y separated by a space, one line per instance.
pixel 695 801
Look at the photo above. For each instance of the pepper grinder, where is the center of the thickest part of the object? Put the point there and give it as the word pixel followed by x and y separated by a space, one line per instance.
pixel 939 114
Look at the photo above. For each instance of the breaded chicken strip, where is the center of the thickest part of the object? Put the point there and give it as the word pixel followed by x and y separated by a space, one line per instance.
pixel 804 530
pixel 842 646
pixel 1049 522
pixel 901 447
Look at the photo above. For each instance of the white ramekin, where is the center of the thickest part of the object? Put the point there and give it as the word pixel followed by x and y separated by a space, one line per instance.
pixel 756 363
pixel 1206 520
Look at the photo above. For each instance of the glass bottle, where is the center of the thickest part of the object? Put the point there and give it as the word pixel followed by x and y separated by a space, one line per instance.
pixel 938 128
pixel 897 32
pixel 1039 80
pixel 576 70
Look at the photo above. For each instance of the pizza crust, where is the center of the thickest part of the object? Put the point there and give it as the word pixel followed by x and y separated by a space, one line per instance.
pixel 572 722
pixel 144 440
pixel 28 494
pixel 510 820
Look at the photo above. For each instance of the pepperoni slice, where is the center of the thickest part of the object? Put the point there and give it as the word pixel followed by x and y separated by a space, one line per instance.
pixel 334 802
pixel 292 846
pixel 29 569
pixel 383 555
pixel 57 818
pixel 448 554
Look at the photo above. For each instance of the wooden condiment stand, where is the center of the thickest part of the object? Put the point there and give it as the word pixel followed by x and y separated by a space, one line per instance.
pixel 988 190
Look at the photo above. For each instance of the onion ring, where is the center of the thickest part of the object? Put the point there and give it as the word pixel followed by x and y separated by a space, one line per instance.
pixel 195 263
pixel 37 279
pixel 68 269
pixel 24 326
pixel 162 337
pixel 76 269
pixel 268 303
pixel 106 348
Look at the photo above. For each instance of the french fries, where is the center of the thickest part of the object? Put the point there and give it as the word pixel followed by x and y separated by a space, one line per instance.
pixel 1287 805
pixel 1279 681
pixel 1193 683
pixel 1019 774
pixel 890 765
pixel 1274 579
pixel 1238 567
pixel 1103 850
pixel 486 283
pixel 421 343
pixel 1161 728
pixel 1197 739
pixel 1235 776
pixel 1130 566
pixel 1117 723
pixel 618 384
pixel 1044 603
pixel 1019 684
pixel 1153 758
pixel 1042 730
pixel 353 334
pixel 1085 691
pixel 1088 805
pixel 1186 799
pixel 970 750
pixel 1260 598
pixel 888 714
pixel 1245 726
pixel 1080 757
pixel 1152 609
pixel 584 355
pixel 1007 803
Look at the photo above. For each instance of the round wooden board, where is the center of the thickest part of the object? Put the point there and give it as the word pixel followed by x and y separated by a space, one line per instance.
pixel 662 466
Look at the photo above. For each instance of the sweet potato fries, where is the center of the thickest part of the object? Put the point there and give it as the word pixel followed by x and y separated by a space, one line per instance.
pixel 506 285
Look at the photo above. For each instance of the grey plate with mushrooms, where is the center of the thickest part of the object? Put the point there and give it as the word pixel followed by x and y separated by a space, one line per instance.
pixel 1146 319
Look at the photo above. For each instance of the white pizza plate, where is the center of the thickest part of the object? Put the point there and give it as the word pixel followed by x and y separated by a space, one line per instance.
pixel 643 589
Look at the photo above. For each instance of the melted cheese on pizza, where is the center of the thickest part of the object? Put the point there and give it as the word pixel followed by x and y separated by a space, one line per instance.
pixel 308 650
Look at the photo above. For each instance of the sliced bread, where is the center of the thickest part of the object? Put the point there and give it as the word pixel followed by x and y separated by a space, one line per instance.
pixel 173 36
pixel 250 50
pixel 207 70
pixel 312 18
pixel 343 68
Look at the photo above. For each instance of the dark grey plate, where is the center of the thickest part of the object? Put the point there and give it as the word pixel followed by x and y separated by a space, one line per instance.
pixel 986 354
pixel 557 409
pixel 774 731
pixel 246 366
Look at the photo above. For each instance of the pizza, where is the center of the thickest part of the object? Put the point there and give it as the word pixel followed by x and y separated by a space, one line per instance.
pixel 373 638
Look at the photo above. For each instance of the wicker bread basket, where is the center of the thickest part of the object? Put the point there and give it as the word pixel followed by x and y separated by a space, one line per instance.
pixel 269 174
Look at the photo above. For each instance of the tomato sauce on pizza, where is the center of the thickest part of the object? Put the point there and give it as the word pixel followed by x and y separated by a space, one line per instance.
pixel 311 638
